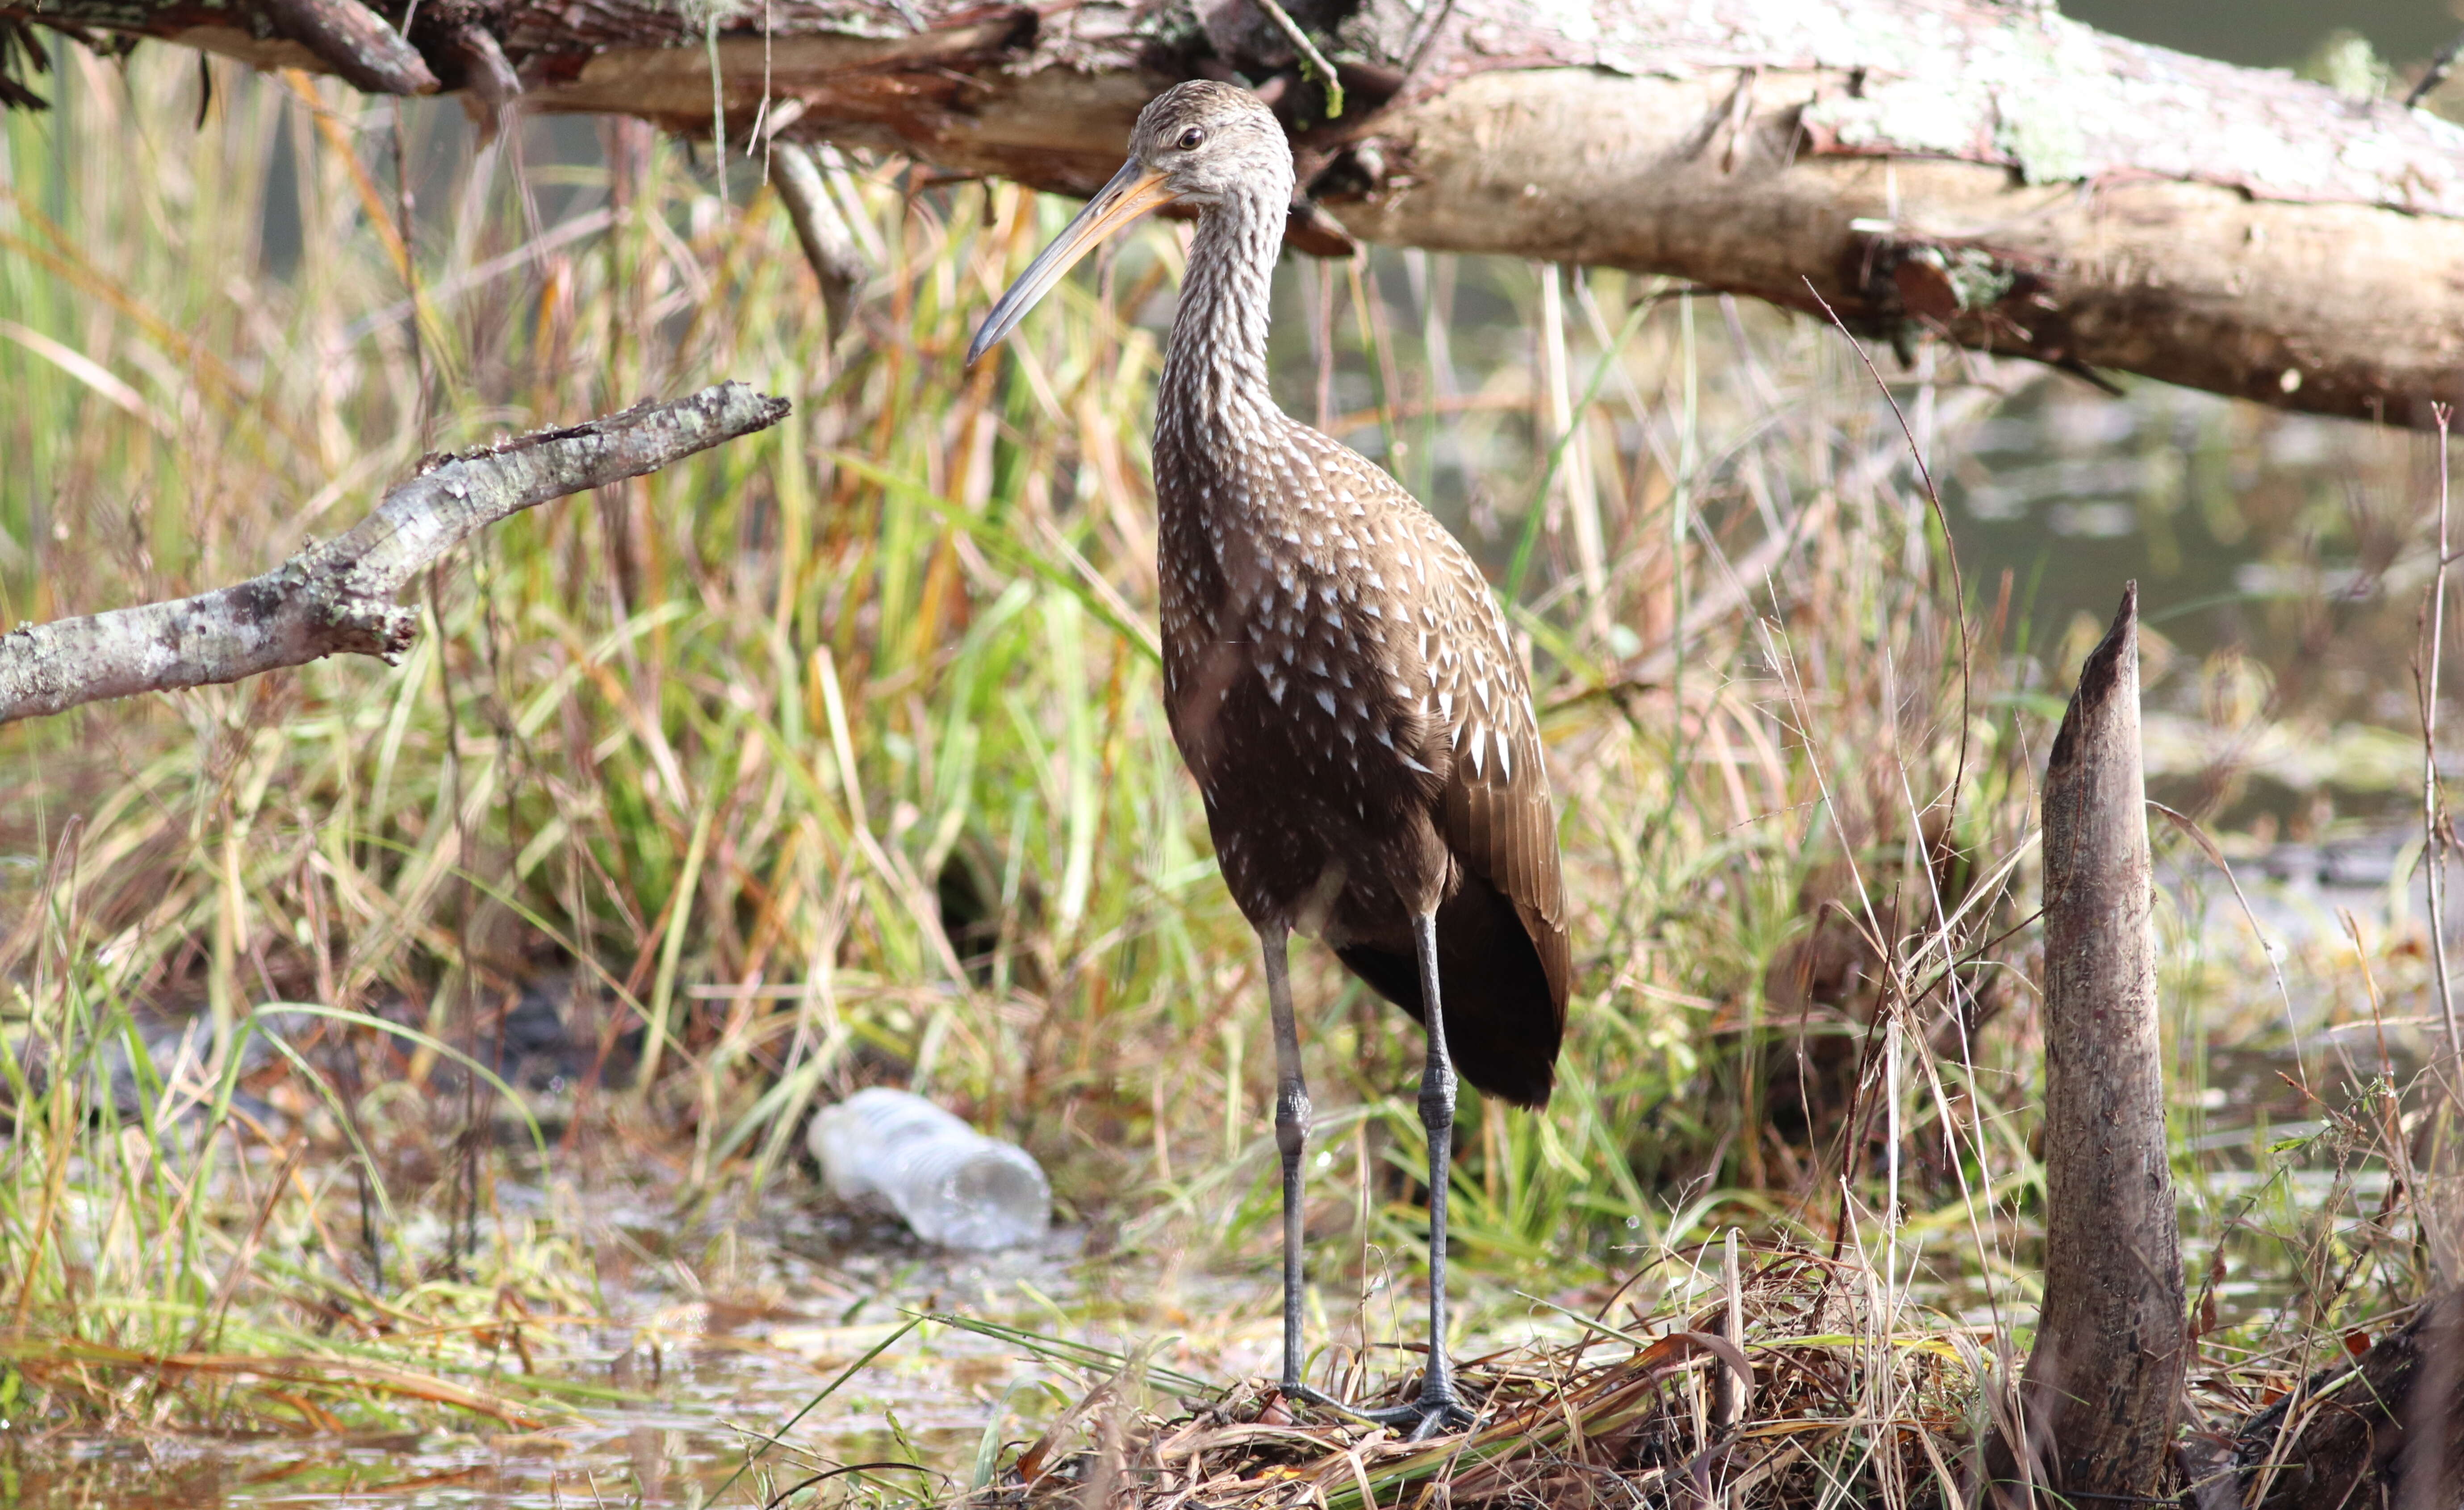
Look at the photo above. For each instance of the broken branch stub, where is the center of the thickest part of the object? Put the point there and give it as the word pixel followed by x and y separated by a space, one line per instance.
pixel 2100 1391
pixel 355 42
pixel 820 230
pixel 336 596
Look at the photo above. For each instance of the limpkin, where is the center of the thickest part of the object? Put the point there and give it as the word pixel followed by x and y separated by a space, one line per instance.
pixel 1341 683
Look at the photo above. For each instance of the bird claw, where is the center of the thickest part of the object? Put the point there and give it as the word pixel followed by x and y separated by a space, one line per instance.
pixel 1425 1417
pixel 1429 1416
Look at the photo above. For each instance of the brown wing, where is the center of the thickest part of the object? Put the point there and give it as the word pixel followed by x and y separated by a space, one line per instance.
pixel 1495 811
pixel 1499 819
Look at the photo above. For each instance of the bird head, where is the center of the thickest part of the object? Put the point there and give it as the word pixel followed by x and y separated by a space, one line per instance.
pixel 1198 144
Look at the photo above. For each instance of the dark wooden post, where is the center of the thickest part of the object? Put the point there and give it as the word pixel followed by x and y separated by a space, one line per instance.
pixel 2393 1437
pixel 2102 1386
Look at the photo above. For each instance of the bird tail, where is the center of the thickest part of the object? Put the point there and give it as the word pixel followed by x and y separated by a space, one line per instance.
pixel 1504 1016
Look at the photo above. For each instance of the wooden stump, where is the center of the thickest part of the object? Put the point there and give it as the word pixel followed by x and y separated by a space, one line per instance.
pixel 2099 1397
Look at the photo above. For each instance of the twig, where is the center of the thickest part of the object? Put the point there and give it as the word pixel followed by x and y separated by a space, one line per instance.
pixel 2434 833
pixel 2436 74
pixel 486 72
pixel 336 596
pixel 1310 55
pixel 1419 50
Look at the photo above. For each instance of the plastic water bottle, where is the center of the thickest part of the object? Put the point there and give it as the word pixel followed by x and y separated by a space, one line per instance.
pixel 950 1184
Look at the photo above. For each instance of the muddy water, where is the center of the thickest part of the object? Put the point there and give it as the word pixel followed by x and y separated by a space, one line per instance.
pixel 705 1377
pixel 769 1366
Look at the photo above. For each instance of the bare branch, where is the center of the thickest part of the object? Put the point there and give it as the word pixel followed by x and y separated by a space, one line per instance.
pixel 2433 833
pixel 336 596
pixel 820 229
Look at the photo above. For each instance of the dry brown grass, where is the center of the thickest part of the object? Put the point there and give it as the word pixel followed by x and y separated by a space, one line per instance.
pixel 1851 1395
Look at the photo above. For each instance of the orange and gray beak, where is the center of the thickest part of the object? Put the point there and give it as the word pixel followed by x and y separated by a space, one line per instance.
pixel 1132 191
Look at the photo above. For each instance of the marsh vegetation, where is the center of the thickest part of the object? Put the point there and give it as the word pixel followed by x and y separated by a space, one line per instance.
pixel 407 1066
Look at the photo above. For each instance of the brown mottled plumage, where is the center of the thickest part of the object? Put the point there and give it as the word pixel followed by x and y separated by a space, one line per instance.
pixel 1341 683
pixel 1338 678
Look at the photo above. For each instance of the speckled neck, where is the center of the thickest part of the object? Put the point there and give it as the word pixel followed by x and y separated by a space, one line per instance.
pixel 1214 396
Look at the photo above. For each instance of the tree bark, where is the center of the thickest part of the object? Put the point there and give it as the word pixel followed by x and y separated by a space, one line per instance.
pixel 1990 173
pixel 355 42
pixel 2098 1396
pixel 338 596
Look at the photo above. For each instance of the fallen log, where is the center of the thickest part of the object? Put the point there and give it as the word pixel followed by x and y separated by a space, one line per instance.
pixel 1991 174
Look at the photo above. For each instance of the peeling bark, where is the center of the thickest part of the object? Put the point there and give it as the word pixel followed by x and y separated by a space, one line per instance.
pixel 1995 174
pixel 336 596
pixel 2104 1381
pixel 2345 309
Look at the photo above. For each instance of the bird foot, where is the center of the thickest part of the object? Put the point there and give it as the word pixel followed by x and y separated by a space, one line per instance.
pixel 1432 1414
pixel 1435 1413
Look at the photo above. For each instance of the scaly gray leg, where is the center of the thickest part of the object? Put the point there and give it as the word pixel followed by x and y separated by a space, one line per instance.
pixel 1292 1137
pixel 1292 1142
pixel 1438 1409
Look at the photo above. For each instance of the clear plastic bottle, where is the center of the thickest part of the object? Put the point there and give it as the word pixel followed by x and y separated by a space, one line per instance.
pixel 953 1186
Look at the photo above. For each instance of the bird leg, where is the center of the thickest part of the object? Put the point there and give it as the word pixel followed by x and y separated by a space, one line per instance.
pixel 1438 1409
pixel 1292 1137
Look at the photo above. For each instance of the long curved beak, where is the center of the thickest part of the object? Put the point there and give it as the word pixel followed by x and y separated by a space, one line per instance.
pixel 1132 191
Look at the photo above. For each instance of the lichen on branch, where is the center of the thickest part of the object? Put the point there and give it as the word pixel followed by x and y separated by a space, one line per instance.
pixel 337 597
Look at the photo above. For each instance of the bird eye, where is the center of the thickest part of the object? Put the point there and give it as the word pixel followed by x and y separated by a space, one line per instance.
pixel 1193 138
